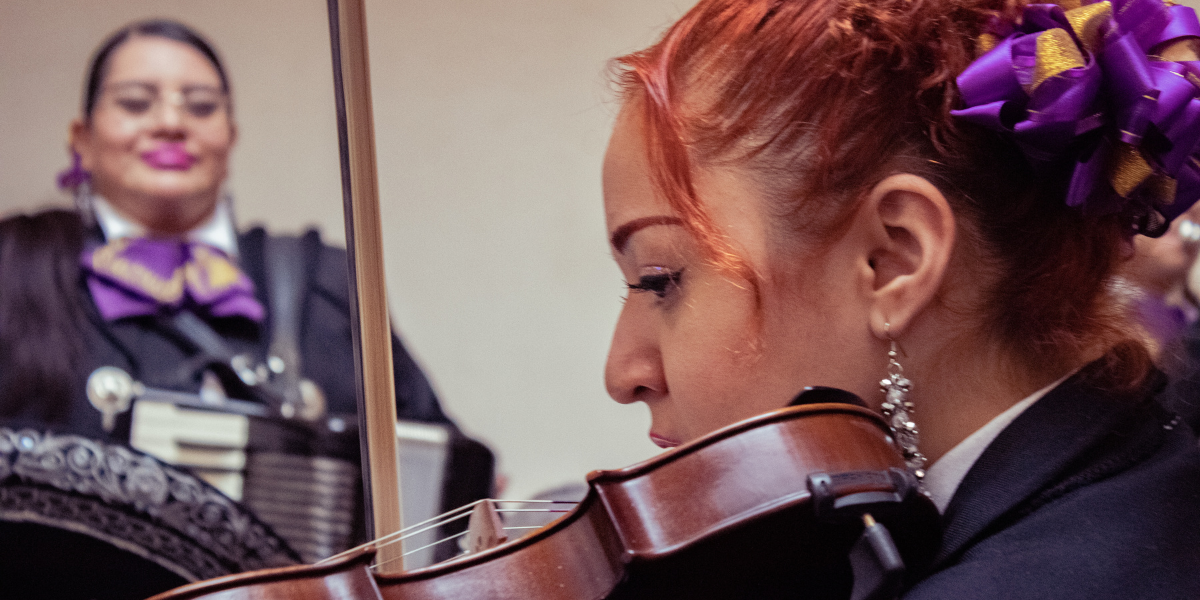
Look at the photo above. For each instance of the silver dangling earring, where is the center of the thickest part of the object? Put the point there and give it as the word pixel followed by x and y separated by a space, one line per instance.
pixel 898 410
pixel 83 204
pixel 79 180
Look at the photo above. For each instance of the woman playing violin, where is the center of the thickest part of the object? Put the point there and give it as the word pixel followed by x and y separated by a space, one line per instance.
pixel 937 192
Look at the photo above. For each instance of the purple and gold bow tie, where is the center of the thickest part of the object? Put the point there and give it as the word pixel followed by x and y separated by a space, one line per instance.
pixel 137 276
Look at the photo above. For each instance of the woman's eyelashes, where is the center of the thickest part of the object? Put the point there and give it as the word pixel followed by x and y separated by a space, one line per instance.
pixel 661 281
pixel 135 106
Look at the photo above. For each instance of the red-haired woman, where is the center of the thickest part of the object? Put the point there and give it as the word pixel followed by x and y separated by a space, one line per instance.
pixel 795 189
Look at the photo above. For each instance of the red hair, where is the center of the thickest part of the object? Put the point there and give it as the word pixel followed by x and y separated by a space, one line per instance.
pixel 819 100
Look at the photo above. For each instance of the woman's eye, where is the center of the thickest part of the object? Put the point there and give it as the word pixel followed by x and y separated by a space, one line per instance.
pixel 660 283
pixel 201 109
pixel 203 102
pixel 136 106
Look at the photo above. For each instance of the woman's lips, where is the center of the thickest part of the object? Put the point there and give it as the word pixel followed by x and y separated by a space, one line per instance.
pixel 663 442
pixel 169 157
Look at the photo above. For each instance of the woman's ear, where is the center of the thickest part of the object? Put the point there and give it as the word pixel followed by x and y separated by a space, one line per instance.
pixel 911 235
pixel 78 141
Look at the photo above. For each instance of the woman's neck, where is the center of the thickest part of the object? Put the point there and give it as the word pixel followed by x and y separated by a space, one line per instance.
pixel 966 385
pixel 159 218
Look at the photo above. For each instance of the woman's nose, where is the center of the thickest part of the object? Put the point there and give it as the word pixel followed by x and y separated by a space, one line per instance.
pixel 634 371
pixel 170 114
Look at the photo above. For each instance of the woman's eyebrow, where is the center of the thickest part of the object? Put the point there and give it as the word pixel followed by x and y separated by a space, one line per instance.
pixel 131 83
pixel 620 235
pixel 150 85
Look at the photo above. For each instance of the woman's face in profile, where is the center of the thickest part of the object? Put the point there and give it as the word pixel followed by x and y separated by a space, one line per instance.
pixel 159 137
pixel 1161 264
pixel 691 341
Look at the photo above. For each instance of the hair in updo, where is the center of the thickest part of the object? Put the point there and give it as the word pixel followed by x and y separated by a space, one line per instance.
pixel 163 28
pixel 41 323
pixel 819 100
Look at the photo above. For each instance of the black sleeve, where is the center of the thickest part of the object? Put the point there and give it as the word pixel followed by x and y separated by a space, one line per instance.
pixel 415 399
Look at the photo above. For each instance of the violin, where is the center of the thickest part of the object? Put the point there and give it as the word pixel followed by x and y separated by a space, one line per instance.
pixel 765 508
pixel 809 500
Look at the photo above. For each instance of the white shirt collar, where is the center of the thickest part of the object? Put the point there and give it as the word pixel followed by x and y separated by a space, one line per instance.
pixel 216 231
pixel 942 479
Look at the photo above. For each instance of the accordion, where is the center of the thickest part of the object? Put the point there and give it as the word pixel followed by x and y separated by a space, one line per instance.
pixel 305 479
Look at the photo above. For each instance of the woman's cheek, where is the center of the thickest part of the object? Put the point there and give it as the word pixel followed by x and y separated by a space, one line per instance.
pixel 216 149
pixel 128 132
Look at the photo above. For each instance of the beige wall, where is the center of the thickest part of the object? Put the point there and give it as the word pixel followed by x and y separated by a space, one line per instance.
pixel 492 117
pixel 285 166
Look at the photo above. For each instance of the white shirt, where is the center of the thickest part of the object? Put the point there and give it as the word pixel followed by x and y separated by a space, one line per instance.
pixel 216 231
pixel 942 479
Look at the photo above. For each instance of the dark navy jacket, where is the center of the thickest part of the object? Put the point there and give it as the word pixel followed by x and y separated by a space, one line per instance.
pixel 1087 494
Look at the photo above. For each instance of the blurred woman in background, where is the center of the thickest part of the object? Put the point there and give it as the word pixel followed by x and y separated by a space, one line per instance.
pixel 1157 276
pixel 150 276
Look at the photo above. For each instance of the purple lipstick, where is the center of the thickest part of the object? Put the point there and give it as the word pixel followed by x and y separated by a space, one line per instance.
pixel 169 157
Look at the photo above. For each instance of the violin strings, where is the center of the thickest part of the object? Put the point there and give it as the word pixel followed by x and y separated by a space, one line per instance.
pixel 546 510
pixel 444 518
pixel 408 532
pixel 453 537
pixel 391 537
pixel 398 536
pixel 447 539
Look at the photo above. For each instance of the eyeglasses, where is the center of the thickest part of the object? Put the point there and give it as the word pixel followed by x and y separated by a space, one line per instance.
pixel 139 99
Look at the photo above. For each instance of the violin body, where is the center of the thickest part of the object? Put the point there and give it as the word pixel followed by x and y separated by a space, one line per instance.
pixel 347 578
pixel 740 513
pixel 728 516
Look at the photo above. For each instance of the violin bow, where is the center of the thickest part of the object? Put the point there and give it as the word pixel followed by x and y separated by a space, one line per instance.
pixel 369 313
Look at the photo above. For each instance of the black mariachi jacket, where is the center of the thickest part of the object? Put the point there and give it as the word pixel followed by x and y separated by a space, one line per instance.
pixel 158 358
pixel 1087 494
pixel 40 280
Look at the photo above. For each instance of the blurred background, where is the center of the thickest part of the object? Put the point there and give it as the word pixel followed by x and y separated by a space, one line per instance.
pixel 492 118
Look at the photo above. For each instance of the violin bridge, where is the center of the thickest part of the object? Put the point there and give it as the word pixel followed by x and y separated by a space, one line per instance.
pixel 485 529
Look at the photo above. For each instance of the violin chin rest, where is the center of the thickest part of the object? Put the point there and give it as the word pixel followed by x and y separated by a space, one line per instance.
pixel 819 395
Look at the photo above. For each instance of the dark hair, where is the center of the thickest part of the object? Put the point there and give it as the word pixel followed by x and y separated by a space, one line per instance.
pixel 163 28
pixel 820 100
pixel 41 325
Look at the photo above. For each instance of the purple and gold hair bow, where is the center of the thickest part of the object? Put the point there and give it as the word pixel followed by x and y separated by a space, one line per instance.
pixel 1079 82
